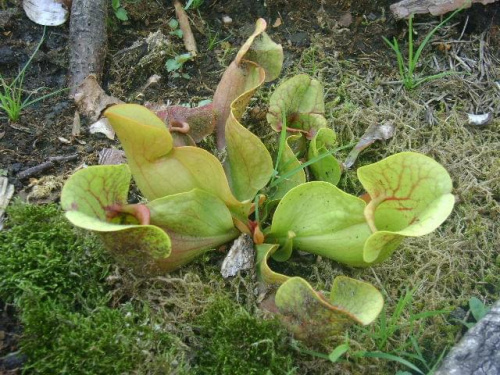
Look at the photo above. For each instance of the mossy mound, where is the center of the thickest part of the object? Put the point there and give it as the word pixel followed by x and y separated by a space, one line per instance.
pixel 81 317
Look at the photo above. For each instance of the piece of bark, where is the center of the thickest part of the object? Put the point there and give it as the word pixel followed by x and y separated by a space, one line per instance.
pixel 405 8
pixel 111 156
pixel 187 34
pixel 240 257
pixel 477 353
pixel 76 129
pixel 91 100
pixel 88 40
pixel 6 193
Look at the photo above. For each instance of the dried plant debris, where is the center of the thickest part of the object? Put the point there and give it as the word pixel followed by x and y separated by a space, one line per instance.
pixel 45 190
pixel 111 156
pixel 479 120
pixel 91 100
pixel 132 66
pixel 47 12
pixel 405 8
pixel 6 193
pixel 375 132
pixel 240 256
pixel 187 34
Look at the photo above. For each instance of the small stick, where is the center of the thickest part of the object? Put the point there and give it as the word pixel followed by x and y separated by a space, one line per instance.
pixel 45 165
pixel 187 34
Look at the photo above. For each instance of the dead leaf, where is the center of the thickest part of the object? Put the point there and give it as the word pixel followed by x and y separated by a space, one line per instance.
pixel 375 132
pixel 405 8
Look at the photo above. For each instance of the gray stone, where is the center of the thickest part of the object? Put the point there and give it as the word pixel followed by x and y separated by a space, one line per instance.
pixel 478 353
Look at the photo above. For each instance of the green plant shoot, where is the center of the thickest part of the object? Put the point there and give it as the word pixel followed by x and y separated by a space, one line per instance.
pixel 11 94
pixel 407 71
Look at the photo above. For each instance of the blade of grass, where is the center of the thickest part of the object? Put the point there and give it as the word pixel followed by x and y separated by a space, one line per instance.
pixel 434 30
pixel 338 352
pixel 390 357
pixel 411 61
pixel 23 70
pixel 307 163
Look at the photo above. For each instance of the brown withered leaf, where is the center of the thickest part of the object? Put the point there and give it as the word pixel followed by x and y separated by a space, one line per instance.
pixel 375 132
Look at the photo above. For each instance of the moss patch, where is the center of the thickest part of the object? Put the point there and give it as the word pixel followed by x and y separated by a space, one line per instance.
pixel 234 342
pixel 41 253
pixel 101 341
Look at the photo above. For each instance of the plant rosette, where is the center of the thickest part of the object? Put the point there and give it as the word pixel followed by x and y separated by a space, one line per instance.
pixel 194 203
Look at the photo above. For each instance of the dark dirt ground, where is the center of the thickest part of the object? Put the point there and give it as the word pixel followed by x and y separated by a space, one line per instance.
pixel 35 137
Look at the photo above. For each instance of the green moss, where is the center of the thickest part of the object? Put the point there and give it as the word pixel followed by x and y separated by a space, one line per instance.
pixel 40 252
pixel 56 278
pixel 234 342
pixel 102 341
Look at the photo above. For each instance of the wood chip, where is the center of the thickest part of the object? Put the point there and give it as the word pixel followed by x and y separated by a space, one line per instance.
pixel 6 193
pixel 240 257
pixel 111 156
pixel 76 129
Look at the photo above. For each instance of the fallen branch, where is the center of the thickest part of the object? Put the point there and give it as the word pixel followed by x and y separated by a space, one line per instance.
pixel 45 165
pixel 88 40
pixel 405 8
pixel 187 34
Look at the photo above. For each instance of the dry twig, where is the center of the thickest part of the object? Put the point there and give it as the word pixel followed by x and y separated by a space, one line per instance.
pixel 187 34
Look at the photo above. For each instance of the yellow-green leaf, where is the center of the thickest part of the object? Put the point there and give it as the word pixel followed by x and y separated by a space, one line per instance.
pixel 250 164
